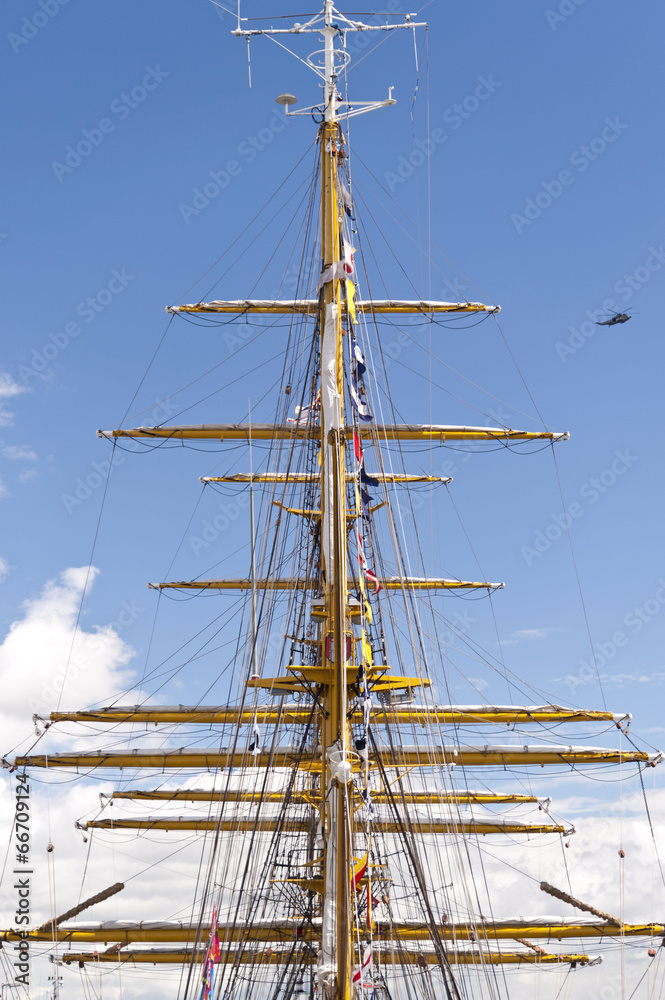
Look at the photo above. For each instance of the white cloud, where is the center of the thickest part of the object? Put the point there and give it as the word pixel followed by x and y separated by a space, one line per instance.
pixel 593 872
pixel 527 634
pixel 39 647
pixel 620 680
pixel 19 452
pixel 27 475
pixel 82 869
pixel 32 659
pixel 479 683
pixel 5 569
pixel 4 492
pixel 631 678
pixel 8 389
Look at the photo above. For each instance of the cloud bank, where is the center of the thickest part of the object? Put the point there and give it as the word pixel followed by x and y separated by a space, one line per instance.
pixel 47 660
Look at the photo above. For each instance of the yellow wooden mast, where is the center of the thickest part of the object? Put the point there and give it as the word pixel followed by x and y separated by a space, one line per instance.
pixel 277 956
pixel 219 758
pixel 422 715
pixel 247 823
pixel 547 928
pixel 434 433
pixel 425 797
pixel 334 972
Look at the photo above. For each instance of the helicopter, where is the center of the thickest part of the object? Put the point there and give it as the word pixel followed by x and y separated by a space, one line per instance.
pixel 615 318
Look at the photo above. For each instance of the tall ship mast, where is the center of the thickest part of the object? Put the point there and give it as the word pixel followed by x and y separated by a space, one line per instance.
pixel 341 814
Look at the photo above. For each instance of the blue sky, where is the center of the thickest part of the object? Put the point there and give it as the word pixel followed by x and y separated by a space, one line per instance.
pixel 543 122
pixel 535 88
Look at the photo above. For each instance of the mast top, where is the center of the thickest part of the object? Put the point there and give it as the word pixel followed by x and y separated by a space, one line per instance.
pixel 330 62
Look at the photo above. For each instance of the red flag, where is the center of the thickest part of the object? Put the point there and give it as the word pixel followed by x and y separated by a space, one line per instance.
pixel 373 582
pixel 357 447
pixel 366 962
pixel 214 937
pixel 347 255
pixel 361 551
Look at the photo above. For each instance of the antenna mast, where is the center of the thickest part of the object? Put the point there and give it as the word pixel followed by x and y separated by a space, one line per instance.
pixel 335 966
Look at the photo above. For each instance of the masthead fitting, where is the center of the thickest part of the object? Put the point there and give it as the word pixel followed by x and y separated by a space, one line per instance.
pixel 286 99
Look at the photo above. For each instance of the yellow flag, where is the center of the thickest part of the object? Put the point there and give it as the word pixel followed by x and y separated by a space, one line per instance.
pixel 359 869
pixel 350 304
pixel 368 610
